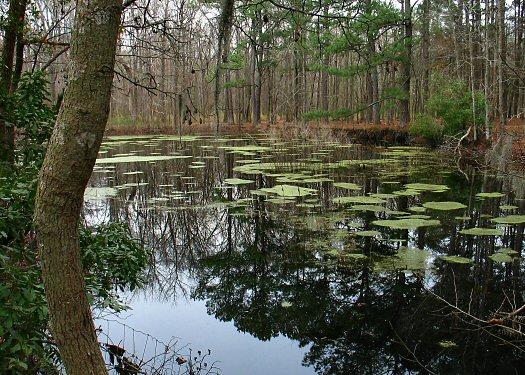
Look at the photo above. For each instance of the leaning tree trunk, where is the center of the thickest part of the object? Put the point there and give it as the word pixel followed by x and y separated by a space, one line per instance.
pixel 68 164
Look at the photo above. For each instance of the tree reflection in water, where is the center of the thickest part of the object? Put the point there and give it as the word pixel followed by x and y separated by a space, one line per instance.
pixel 285 270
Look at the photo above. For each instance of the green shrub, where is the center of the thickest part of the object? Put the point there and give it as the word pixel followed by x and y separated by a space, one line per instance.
pixel 452 101
pixel 427 127
pixel 113 262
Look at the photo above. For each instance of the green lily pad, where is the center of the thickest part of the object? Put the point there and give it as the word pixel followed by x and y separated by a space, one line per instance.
pixel 237 181
pixel 347 186
pixel 501 258
pixel 417 209
pixel 444 206
pixel 407 192
pixel 358 199
pixel 482 232
pixel 490 195
pixel 507 207
pixel 368 207
pixel 455 259
pixel 246 149
pixel 368 233
pixel 508 251
pixel 406 223
pixel 462 218
pixel 383 195
pixel 290 191
pixel 286 304
pixel 510 219
pixel 429 187
pixel 280 200
pixel 447 344
pixel 136 159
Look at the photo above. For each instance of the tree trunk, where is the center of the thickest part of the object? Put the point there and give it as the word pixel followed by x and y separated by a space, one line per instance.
pixel 256 66
pixel 457 30
pixel 373 77
pixel 68 164
pixel 325 60
pixel 502 51
pixel 225 26
pixel 469 28
pixel 407 63
pixel 16 14
pixel 425 40
pixel 488 69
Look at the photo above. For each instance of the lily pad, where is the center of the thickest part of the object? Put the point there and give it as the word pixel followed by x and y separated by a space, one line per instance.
pixel 508 251
pixel 490 195
pixel 358 199
pixel 501 258
pixel 455 259
pixel 446 344
pixel 290 191
pixel 368 207
pixel 510 219
pixel 444 206
pixel 136 159
pixel 429 187
pixel 237 181
pixel 407 192
pixel 406 223
pixel 368 233
pixel 506 207
pixel 482 232
pixel 280 200
pixel 347 185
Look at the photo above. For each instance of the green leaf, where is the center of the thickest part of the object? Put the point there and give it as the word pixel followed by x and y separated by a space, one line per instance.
pixel 510 219
pixel 444 206
pixel 482 232
pixel 410 223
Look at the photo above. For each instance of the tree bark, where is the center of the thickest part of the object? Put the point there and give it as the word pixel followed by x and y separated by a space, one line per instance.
pixel 68 164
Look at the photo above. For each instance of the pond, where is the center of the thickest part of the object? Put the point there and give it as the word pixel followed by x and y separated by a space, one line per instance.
pixel 279 256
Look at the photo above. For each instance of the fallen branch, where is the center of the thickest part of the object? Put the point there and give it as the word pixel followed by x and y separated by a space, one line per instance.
pixel 457 149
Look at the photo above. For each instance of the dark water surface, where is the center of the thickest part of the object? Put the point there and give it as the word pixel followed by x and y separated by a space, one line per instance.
pixel 304 257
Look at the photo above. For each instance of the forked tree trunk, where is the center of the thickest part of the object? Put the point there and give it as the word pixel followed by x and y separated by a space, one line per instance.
pixel 68 164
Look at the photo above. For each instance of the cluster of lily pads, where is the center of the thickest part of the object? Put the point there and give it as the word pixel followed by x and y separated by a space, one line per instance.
pixel 297 174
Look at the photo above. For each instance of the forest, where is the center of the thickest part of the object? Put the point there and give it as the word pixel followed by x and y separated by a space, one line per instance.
pixel 387 62
pixel 207 152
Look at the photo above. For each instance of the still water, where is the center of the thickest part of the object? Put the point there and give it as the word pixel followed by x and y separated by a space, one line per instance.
pixel 278 256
